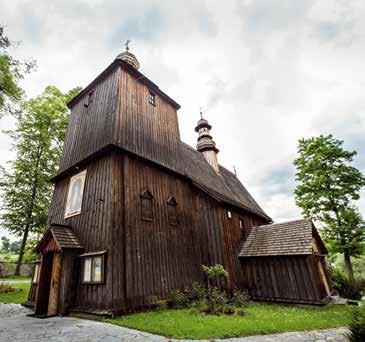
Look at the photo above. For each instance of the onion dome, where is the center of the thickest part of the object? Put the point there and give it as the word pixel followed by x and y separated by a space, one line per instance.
pixel 205 140
pixel 128 57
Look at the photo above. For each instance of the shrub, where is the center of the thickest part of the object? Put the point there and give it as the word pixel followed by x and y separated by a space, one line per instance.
pixel 197 292
pixel 5 288
pixel 179 299
pixel 240 298
pixel 344 286
pixel 357 325
pixel 217 300
pixel 229 309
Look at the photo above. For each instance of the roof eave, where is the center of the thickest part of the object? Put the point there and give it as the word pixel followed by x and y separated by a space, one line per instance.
pixel 142 78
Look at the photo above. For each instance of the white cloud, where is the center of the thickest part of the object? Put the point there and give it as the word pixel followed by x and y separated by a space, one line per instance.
pixel 266 72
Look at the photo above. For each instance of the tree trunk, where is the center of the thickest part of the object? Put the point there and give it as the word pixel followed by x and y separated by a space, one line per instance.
pixel 21 251
pixel 29 215
pixel 348 265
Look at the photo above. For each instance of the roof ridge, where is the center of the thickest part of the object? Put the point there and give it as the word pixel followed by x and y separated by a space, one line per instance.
pixel 285 222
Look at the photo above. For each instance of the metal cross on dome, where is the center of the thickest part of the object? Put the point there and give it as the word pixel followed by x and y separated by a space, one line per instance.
pixel 127 45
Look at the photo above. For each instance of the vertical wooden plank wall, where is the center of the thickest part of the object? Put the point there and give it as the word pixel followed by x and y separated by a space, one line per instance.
pixel 159 257
pixel 91 128
pixel 146 130
pixel 282 278
pixel 93 226
pixel 233 239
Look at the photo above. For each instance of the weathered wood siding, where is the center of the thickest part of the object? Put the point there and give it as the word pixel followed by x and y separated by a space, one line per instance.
pixel 233 238
pixel 284 278
pixel 91 128
pixel 93 227
pixel 157 256
pixel 146 130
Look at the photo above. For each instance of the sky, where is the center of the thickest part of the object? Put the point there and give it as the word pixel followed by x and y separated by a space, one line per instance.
pixel 266 72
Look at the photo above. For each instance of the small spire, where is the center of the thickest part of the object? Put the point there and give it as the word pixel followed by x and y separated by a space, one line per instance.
pixel 128 57
pixel 235 171
pixel 201 112
pixel 127 45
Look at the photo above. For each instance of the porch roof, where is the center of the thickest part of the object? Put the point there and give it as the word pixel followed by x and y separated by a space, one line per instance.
pixel 63 236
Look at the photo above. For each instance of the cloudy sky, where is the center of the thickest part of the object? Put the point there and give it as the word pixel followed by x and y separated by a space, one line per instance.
pixel 266 72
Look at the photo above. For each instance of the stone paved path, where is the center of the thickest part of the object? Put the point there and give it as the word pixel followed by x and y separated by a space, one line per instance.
pixel 16 326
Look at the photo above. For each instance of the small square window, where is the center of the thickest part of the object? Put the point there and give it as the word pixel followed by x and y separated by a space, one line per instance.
pixel 93 269
pixel 152 99
pixel 229 214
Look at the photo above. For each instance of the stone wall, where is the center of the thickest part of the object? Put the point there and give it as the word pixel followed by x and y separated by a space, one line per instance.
pixel 8 269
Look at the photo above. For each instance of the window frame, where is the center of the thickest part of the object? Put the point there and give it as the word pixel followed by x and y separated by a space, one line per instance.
pixel 81 175
pixel 36 272
pixel 89 98
pixel 146 197
pixel 93 256
pixel 152 98
pixel 172 205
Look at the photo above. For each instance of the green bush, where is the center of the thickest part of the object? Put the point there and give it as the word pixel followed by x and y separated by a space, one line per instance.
pixel 217 301
pixel 197 292
pixel 240 298
pixel 344 286
pixel 179 299
pixel 357 325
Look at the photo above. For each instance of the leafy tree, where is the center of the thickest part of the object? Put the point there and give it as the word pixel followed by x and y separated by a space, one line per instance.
pixel 11 71
pixel 5 244
pixel 327 186
pixel 38 137
pixel 15 247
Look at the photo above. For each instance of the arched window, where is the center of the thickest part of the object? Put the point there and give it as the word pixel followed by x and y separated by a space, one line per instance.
pixel 146 205
pixel 172 211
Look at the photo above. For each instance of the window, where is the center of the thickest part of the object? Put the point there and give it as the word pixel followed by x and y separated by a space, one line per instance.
pixel 241 224
pixel 172 211
pixel 36 273
pixel 229 214
pixel 146 205
pixel 89 99
pixel 74 196
pixel 152 99
pixel 93 267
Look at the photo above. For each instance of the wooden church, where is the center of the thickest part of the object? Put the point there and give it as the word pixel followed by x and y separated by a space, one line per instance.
pixel 136 212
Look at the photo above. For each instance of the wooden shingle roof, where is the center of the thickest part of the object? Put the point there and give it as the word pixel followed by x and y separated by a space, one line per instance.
pixel 287 238
pixel 63 236
pixel 225 186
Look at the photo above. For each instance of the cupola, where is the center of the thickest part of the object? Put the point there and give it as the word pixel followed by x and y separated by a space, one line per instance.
pixel 128 57
pixel 206 144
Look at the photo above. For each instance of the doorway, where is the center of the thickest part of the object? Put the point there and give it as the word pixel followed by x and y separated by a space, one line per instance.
pixel 48 285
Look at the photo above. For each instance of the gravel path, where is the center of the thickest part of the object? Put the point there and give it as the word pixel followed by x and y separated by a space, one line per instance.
pixel 16 326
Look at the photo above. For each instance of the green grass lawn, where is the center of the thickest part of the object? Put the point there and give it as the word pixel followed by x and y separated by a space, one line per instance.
pixel 19 296
pixel 259 319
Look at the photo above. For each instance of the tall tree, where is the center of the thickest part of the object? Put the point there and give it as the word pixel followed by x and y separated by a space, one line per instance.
pixel 5 244
pixel 38 137
pixel 327 186
pixel 11 72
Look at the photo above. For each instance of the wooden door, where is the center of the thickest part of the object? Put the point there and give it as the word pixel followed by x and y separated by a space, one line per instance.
pixel 42 296
pixel 55 285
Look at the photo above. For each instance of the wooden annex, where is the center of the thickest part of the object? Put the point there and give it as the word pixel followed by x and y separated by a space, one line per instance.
pixel 136 212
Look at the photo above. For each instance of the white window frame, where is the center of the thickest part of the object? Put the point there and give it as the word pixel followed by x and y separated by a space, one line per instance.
pixel 36 272
pixel 82 176
pixel 93 257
